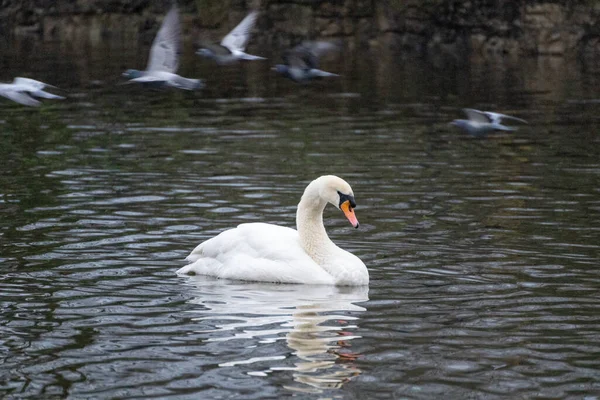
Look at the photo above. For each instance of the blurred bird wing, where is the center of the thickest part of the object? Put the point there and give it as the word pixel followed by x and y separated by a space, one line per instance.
pixel 185 83
pixel 497 117
pixel 32 83
pixel 237 39
pixel 20 97
pixel 319 49
pixel 219 50
pixel 148 79
pixel 306 55
pixel 298 58
pixel 476 116
pixel 166 48
pixel 301 57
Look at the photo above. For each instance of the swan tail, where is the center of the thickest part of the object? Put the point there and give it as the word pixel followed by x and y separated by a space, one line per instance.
pixel 196 254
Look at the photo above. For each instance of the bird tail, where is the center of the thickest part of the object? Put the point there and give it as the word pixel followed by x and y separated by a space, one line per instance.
pixel 500 127
pixel 321 73
pixel 46 95
pixel 188 84
pixel 245 56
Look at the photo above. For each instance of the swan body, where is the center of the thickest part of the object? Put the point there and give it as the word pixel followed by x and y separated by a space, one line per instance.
pixel 270 253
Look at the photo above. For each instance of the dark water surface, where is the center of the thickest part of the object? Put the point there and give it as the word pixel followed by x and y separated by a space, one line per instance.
pixel 483 254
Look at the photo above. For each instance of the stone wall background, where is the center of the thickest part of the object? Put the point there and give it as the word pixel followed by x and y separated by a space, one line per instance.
pixel 515 28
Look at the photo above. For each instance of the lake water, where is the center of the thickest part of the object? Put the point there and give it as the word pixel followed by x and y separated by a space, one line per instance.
pixel 483 254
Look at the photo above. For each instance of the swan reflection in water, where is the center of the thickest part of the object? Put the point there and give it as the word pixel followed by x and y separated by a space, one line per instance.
pixel 316 322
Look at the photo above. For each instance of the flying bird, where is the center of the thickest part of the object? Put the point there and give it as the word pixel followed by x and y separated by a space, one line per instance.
pixel 23 91
pixel 481 123
pixel 233 46
pixel 301 63
pixel 164 58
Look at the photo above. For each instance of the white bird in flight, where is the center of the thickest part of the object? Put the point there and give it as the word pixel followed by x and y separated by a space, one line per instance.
pixel 301 63
pixel 164 58
pixel 480 123
pixel 233 46
pixel 23 91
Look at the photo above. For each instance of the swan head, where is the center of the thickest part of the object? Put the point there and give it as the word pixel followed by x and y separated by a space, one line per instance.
pixel 338 192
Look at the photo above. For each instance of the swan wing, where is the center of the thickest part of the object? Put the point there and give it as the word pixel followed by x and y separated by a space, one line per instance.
pixel 256 252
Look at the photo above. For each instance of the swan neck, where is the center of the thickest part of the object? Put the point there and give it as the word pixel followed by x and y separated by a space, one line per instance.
pixel 344 268
pixel 309 222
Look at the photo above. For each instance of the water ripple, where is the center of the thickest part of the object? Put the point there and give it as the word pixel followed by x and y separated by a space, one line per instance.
pixel 483 254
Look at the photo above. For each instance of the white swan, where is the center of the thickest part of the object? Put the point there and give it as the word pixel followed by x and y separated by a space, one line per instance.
pixel 270 253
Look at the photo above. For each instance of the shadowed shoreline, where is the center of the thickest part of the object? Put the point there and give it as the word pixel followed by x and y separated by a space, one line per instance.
pixel 528 28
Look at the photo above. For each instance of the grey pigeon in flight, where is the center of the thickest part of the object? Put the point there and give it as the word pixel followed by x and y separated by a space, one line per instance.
pixel 301 63
pixel 23 91
pixel 164 58
pixel 480 123
pixel 233 46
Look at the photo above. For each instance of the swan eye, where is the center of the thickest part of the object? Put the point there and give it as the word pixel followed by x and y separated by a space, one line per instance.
pixel 346 197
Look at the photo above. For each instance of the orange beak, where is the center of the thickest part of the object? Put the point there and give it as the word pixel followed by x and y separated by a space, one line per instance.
pixel 349 213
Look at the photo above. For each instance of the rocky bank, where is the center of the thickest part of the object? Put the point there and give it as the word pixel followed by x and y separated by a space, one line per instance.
pixel 516 28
